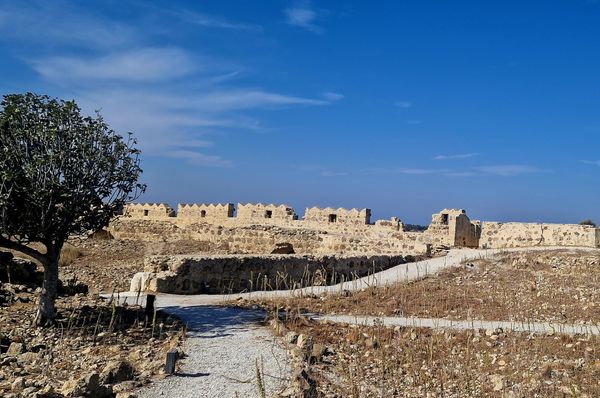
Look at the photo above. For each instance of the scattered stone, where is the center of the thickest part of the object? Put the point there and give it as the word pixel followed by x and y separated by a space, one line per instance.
pixel 291 337
pixel 15 349
pixel 116 372
pixel 497 382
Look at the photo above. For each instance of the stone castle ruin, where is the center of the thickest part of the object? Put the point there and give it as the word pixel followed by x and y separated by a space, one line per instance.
pixel 255 228
pixel 258 228
pixel 327 244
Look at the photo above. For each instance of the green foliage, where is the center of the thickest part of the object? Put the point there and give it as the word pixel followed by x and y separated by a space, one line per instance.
pixel 61 173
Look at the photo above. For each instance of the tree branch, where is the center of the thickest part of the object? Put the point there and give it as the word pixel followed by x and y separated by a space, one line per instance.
pixel 9 244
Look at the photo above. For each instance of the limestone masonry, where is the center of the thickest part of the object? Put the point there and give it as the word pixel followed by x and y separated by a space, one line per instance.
pixel 259 228
pixel 267 246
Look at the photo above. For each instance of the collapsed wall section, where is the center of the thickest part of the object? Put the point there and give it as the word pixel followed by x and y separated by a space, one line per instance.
pixel 229 274
pixel 453 228
pixel 499 235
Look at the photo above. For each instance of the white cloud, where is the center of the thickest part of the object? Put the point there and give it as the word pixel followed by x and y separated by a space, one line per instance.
pixel 457 156
pixel 303 16
pixel 592 162
pixel 509 170
pixel 322 171
pixel 176 102
pixel 224 100
pixel 403 104
pixel 211 21
pixel 200 159
pixel 58 23
pixel 332 97
pixel 144 65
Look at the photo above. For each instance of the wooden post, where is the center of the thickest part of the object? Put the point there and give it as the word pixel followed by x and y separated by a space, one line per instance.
pixel 171 361
pixel 150 300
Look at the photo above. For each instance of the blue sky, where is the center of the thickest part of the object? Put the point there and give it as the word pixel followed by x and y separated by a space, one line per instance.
pixel 405 107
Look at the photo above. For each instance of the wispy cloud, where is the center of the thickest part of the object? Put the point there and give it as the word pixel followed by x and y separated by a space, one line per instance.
pixel 332 97
pixel 200 159
pixel 147 64
pixel 303 16
pixel 495 170
pixel 509 170
pixel 212 21
pixel 457 156
pixel 592 162
pixel 413 122
pixel 404 170
pixel 177 102
pixel 52 24
pixel 403 104
pixel 319 170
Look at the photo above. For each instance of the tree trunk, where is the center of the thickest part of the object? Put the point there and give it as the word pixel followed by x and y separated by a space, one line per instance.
pixel 46 309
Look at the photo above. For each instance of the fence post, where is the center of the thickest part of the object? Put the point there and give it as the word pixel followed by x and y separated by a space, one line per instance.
pixel 171 361
pixel 150 300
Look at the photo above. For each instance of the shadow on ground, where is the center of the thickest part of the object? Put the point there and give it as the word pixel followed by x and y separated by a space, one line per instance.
pixel 212 321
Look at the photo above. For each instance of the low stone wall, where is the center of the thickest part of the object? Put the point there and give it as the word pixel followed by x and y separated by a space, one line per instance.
pixel 236 273
pixel 499 235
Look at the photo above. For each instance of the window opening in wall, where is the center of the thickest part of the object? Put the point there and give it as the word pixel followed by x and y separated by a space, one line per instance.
pixel 445 219
pixel 332 217
pixel 146 213
pixel 268 214
pixel 203 213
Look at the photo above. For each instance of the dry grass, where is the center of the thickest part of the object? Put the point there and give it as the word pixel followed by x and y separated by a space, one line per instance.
pixel 554 286
pixel 405 362
pixel 69 254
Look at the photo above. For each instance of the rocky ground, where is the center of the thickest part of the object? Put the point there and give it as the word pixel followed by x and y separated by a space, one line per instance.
pixel 361 361
pixel 107 265
pixel 561 286
pixel 95 349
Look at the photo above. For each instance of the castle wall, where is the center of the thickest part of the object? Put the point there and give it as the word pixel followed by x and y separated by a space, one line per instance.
pixel 149 211
pixel 453 228
pixel 330 215
pixel 262 239
pixel 201 212
pixel 225 274
pixel 498 235
pixel 265 213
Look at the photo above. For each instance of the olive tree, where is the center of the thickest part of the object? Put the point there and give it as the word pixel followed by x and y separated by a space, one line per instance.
pixel 61 174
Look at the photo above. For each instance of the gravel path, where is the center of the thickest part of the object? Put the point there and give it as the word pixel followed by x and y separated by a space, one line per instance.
pixel 441 323
pixel 224 347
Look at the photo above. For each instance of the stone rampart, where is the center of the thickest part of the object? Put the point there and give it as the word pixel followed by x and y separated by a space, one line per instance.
pixel 452 228
pixel 262 239
pixel 512 234
pixel 237 273
pixel 203 212
pixel 340 216
pixel 264 213
pixel 148 211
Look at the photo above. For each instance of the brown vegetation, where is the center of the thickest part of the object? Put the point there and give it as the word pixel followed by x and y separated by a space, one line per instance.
pixel 378 361
pixel 556 286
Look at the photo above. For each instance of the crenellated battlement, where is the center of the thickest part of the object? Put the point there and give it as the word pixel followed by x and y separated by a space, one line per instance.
pixel 198 212
pixel 265 212
pixel 258 226
pixel 329 215
pixel 155 211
